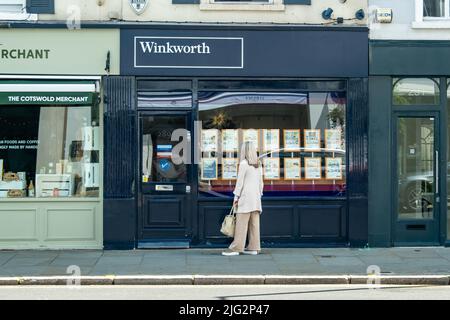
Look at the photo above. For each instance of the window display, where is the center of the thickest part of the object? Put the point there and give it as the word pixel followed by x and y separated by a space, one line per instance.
pixel 313 168
pixel 294 133
pixel 333 139
pixel 209 168
pixel 210 139
pixel 230 168
pixel 291 139
pixel 333 168
pixel 292 169
pixel 229 140
pixel 271 139
pixel 53 150
pixel 252 135
pixel 271 168
pixel 312 139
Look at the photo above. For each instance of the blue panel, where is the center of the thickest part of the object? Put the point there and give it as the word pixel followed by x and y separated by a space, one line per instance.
pixel 357 180
pixel 120 137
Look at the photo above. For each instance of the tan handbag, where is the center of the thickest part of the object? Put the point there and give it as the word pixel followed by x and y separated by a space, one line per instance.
pixel 229 224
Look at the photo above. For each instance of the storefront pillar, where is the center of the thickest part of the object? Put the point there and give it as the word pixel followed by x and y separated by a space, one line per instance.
pixel 120 149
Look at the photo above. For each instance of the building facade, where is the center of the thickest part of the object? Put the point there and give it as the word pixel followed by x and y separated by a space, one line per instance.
pixel 192 76
pixel 408 116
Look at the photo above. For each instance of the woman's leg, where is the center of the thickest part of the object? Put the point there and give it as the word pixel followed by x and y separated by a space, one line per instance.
pixel 254 241
pixel 240 232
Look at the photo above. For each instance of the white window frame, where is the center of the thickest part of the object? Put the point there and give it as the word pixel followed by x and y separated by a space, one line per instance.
pixel 19 15
pixel 422 22
pixel 270 5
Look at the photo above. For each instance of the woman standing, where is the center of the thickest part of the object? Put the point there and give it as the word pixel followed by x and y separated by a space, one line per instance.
pixel 247 203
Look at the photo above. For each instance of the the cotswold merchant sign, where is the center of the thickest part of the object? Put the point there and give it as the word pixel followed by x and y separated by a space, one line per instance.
pixel 189 52
pixel 37 51
pixel 24 53
pixel 47 98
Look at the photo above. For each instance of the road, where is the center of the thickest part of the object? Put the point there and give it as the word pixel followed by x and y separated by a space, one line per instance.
pixel 270 292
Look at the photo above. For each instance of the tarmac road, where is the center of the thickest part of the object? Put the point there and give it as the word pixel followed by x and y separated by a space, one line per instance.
pixel 226 292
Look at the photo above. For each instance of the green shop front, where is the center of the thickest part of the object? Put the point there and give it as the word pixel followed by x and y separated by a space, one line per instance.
pixel 409 151
pixel 51 136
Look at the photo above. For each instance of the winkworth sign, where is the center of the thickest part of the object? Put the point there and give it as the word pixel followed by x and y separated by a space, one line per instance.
pixel 189 52
pixel 243 51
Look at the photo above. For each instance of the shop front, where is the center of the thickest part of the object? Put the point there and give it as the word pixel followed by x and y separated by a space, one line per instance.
pixel 409 151
pixel 189 96
pixel 51 137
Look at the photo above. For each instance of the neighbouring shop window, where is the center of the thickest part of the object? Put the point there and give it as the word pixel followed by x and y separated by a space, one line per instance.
pixel 49 151
pixel 415 91
pixel 300 138
pixel 436 8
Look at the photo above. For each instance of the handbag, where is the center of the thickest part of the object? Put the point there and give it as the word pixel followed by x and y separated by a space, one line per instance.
pixel 229 224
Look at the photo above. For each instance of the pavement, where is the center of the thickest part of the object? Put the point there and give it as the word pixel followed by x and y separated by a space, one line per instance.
pixel 398 266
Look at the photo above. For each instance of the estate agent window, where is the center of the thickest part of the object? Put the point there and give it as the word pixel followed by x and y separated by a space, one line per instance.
pixel 300 138
pixel 49 151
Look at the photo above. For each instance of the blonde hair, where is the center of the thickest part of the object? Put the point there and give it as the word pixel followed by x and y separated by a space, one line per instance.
pixel 248 152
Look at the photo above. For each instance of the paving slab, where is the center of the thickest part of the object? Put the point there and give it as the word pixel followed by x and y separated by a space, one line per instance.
pixel 77 261
pixel 17 261
pixel 5 257
pixel 340 261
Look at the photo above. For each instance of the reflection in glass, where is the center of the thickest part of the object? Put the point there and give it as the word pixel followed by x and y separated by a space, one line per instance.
pixel 416 91
pixel 158 165
pixel 50 151
pixel 277 123
pixel 415 168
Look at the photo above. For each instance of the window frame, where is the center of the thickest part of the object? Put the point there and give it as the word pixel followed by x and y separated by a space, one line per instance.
pixel 422 22
pixel 17 15
pixel 269 5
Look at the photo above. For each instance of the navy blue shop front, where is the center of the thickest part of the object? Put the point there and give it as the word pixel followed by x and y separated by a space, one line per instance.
pixel 292 84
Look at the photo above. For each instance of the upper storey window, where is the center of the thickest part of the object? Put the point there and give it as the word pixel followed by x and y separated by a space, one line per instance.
pixel 432 14
pixel 436 8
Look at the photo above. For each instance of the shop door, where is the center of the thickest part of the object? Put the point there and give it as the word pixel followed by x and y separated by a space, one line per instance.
pixel 165 202
pixel 416 184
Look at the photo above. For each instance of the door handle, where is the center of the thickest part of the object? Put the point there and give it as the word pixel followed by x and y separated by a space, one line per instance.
pixel 437 171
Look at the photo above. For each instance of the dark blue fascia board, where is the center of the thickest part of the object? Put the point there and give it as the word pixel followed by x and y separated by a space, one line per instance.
pixel 409 57
pixel 176 25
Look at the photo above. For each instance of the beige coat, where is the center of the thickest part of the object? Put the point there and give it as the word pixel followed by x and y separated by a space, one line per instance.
pixel 249 188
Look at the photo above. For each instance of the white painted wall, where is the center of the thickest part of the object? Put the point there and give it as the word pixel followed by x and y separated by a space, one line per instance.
pixel 404 25
pixel 165 11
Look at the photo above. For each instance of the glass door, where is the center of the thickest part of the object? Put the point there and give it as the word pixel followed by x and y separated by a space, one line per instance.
pixel 417 179
pixel 165 177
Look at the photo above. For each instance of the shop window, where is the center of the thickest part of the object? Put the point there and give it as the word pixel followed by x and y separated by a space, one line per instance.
pixel 415 91
pixel 300 138
pixel 49 151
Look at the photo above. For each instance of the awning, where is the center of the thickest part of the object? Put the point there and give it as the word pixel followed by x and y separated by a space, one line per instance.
pixel 48 92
